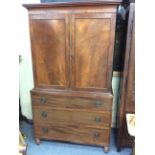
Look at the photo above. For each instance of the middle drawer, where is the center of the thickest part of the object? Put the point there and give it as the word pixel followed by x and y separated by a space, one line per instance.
pixel 49 115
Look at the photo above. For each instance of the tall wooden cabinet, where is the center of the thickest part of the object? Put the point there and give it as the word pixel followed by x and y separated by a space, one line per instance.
pixel 127 95
pixel 72 50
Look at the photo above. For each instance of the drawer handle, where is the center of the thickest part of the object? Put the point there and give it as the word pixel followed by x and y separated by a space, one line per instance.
pixel 96 135
pixel 44 114
pixel 98 103
pixel 43 100
pixel 45 130
pixel 97 119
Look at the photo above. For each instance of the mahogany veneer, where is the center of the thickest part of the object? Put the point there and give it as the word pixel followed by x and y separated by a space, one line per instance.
pixel 72 50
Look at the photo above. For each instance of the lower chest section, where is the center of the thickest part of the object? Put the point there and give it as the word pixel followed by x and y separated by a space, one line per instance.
pixel 72 118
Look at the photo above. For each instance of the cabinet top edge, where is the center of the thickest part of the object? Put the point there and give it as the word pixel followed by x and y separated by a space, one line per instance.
pixel 67 4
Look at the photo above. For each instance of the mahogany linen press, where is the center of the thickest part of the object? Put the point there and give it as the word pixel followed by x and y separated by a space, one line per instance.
pixel 72 47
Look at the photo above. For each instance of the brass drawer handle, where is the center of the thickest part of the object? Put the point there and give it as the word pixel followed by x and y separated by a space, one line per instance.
pixel 43 100
pixel 44 129
pixel 96 135
pixel 98 103
pixel 97 119
pixel 44 114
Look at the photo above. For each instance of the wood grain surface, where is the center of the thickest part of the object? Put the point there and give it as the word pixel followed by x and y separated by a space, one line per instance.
pixel 72 51
pixel 72 116
pixel 74 134
pixel 103 104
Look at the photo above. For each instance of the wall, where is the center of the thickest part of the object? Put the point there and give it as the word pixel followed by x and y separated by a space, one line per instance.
pixel 115 87
pixel 25 68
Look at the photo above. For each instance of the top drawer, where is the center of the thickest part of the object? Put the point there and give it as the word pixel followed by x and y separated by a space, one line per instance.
pixel 72 102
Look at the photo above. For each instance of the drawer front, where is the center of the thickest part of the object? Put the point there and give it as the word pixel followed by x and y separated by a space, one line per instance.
pixel 73 102
pixel 73 134
pixel 58 116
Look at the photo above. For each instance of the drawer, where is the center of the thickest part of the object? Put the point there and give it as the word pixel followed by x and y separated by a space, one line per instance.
pixel 73 102
pixel 71 116
pixel 74 134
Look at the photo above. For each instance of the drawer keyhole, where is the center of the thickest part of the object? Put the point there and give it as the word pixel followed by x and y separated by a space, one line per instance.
pixel 97 119
pixel 43 100
pixel 96 135
pixel 44 114
pixel 45 130
pixel 98 104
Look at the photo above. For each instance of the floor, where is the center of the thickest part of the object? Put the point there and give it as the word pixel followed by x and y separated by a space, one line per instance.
pixel 61 148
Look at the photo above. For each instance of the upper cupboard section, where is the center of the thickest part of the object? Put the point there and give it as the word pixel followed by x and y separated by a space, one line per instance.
pixel 72 47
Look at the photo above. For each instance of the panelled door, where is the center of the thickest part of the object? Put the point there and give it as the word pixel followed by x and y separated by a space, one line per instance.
pixel 92 41
pixel 49 37
pixel 73 50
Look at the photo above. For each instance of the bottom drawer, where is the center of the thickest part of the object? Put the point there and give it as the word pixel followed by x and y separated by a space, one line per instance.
pixel 73 134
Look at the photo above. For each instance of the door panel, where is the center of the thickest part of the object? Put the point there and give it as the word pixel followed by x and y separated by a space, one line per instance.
pixel 92 39
pixel 49 50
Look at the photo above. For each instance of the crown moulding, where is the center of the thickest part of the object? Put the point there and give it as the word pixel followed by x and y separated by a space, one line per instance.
pixel 77 3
